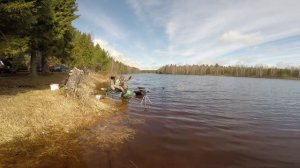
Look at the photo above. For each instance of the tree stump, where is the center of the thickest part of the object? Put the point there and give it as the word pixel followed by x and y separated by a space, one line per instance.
pixel 75 77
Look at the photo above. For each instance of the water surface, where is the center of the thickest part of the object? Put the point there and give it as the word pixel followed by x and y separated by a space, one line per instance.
pixel 207 121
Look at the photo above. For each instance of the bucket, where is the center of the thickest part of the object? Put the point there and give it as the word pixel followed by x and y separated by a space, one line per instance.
pixel 128 94
pixel 98 97
pixel 54 86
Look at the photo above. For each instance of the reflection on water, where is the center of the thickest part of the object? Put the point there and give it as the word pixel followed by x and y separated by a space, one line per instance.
pixel 205 121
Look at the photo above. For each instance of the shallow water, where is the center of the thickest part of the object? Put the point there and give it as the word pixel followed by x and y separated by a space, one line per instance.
pixel 206 121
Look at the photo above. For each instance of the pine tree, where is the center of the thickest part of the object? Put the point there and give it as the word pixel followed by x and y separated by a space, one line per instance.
pixel 39 27
pixel 100 58
pixel 16 19
pixel 83 50
pixel 51 34
pixel 63 13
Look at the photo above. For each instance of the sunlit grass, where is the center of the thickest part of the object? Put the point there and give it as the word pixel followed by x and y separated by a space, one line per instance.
pixel 38 124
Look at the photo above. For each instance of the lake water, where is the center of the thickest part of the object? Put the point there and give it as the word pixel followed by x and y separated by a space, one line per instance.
pixel 207 121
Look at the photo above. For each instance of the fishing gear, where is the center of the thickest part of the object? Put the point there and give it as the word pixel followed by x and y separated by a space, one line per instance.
pixel 141 91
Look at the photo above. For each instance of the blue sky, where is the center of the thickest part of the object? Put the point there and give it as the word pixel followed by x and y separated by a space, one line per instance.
pixel 151 33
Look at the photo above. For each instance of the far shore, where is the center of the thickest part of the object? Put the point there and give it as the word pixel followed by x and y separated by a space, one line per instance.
pixel 283 78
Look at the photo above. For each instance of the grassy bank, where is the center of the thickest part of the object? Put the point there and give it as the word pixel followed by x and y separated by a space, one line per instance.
pixel 40 127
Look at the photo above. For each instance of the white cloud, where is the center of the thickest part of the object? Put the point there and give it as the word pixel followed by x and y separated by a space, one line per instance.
pixel 197 31
pixel 202 31
pixel 148 10
pixel 171 29
pixel 237 37
pixel 136 5
pixel 99 19
pixel 119 56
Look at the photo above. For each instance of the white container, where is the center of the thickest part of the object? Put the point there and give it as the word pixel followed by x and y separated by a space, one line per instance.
pixel 54 86
pixel 98 97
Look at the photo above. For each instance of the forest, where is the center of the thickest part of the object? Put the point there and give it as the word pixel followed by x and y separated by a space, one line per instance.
pixel 36 34
pixel 235 71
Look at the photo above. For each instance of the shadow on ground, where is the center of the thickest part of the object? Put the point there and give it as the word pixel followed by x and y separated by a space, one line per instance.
pixel 23 82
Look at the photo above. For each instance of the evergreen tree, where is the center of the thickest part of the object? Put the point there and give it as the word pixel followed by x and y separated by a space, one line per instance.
pixel 51 34
pixel 63 13
pixel 39 27
pixel 42 29
pixel 16 19
pixel 83 50
pixel 100 59
pixel 40 33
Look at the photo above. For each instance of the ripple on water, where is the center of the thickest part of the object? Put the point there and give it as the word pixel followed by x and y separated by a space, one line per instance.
pixel 216 122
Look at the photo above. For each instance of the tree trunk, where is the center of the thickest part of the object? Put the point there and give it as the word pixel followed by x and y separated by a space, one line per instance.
pixel 45 67
pixel 33 63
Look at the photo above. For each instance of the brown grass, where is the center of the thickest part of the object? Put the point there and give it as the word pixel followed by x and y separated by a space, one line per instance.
pixel 40 127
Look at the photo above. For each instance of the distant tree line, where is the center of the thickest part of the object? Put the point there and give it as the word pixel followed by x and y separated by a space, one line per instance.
pixel 148 71
pixel 236 71
pixel 36 32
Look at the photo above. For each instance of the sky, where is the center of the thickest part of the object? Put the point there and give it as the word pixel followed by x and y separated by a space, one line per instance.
pixel 148 34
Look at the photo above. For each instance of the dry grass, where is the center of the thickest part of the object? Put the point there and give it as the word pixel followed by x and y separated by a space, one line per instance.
pixel 40 127
pixel 37 110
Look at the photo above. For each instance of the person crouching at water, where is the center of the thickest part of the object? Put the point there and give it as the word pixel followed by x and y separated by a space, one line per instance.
pixel 121 84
